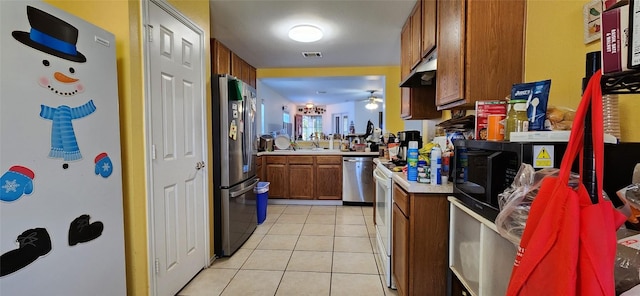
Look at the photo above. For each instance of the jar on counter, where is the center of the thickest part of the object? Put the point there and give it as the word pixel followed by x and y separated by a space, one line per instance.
pixel 517 119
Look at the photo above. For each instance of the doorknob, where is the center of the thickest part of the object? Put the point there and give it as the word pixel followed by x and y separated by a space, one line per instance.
pixel 199 165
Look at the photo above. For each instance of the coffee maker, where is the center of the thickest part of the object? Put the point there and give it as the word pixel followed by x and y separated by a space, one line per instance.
pixel 404 137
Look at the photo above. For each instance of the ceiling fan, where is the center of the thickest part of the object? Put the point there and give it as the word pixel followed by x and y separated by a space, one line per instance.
pixel 372 101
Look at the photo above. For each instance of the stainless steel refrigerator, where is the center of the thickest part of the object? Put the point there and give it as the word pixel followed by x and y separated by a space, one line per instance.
pixel 234 149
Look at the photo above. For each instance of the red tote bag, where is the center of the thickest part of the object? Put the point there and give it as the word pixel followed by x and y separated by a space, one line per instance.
pixel 568 245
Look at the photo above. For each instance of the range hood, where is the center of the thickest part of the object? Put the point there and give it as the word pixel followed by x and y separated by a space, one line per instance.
pixel 424 73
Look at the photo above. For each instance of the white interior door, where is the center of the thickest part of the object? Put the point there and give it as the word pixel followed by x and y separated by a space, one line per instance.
pixel 179 239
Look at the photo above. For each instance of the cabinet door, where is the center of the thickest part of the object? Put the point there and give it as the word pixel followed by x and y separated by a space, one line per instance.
pixel 329 181
pixel 429 21
pixel 491 68
pixel 251 76
pixel 451 51
pixel 236 66
pixel 416 34
pixel 419 103
pixel 221 58
pixel 400 250
pixel 278 176
pixel 405 50
pixel 301 180
pixel 246 69
pixel 259 169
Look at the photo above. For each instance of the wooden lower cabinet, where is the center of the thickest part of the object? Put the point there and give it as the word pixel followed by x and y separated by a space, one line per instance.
pixel 301 180
pixel 328 179
pixel 419 255
pixel 277 174
pixel 260 169
pixel 399 251
pixel 304 177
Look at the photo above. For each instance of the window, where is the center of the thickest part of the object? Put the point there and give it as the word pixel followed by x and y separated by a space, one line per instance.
pixel 311 127
pixel 262 117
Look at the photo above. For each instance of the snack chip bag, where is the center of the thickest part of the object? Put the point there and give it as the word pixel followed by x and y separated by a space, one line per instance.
pixel 537 96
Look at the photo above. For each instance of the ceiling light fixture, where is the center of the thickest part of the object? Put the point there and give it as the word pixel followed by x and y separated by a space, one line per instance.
pixel 309 105
pixel 371 105
pixel 305 33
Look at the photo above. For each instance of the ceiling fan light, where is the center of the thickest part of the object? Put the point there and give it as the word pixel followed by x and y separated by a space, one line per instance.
pixel 305 33
pixel 371 106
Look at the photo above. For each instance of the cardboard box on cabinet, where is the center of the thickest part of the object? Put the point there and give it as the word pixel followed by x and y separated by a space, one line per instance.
pixel 634 34
pixel 615 39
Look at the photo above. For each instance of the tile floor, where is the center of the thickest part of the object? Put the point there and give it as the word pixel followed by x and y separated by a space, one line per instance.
pixel 300 250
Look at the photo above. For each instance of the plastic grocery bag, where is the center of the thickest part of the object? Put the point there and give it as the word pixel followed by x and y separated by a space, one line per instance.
pixel 627 267
pixel 515 201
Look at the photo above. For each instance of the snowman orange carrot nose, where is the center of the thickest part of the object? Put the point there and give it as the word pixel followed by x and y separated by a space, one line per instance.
pixel 64 78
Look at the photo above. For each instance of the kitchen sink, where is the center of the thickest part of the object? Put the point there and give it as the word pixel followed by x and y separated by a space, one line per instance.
pixel 315 150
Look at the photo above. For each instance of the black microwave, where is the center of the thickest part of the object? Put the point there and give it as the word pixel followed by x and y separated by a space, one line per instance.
pixel 483 169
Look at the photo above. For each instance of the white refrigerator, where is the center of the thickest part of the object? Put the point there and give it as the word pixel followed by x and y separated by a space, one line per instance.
pixel 61 217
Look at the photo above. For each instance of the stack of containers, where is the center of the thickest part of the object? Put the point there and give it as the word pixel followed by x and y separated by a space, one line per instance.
pixel 610 115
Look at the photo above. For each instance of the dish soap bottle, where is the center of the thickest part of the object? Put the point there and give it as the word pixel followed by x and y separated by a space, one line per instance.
pixel 412 161
pixel 436 165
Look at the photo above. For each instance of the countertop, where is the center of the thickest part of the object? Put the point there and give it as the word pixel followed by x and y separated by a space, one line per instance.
pixel 413 186
pixel 318 152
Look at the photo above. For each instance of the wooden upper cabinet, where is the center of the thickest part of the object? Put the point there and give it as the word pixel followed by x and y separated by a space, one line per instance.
pixel 251 76
pixel 479 57
pixel 221 58
pixel 416 34
pixel 405 50
pixel 237 64
pixel 429 26
pixel 418 103
pixel 242 70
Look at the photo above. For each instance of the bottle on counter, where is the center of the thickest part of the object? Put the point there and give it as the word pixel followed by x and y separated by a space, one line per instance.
pixel 461 164
pixel 412 161
pixel 517 118
pixel 436 165
pixel 331 142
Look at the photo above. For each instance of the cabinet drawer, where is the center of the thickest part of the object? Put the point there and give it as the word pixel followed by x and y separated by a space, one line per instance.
pixel 329 159
pixel 401 198
pixel 306 159
pixel 277 159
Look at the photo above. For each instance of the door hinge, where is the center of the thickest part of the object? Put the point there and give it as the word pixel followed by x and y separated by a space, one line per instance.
pixel 150 32
pixel 153 151
pixel 157 266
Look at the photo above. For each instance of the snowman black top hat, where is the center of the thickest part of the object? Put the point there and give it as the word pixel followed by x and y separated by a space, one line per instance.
pixel 51 35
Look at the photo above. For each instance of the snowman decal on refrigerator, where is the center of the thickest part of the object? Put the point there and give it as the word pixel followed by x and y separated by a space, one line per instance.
pixel 60 76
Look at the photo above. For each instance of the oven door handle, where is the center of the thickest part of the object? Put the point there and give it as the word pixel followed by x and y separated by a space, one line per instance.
pixel 381 178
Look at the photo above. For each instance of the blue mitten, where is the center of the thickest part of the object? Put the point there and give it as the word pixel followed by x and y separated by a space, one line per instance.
pixel 104 167
pixel 15 182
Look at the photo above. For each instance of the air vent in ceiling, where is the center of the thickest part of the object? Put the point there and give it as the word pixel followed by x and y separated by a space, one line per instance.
pixel 311 54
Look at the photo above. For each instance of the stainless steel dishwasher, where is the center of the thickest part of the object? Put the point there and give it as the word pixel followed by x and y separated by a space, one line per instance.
pixel 357 180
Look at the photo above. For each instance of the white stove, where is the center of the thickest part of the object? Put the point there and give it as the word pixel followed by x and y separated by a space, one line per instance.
pixel 384 205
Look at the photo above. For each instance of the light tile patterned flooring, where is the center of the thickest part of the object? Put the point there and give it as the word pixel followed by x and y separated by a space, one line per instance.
pixel 301 250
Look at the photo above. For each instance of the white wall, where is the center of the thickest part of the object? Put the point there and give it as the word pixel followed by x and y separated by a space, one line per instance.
pixel 362 115
pixel 327 117
pixel 273 103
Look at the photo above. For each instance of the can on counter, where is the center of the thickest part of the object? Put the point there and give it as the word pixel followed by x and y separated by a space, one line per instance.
pixel 495 127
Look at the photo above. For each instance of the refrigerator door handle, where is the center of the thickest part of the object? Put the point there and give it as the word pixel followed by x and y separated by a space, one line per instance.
pixel 243 191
